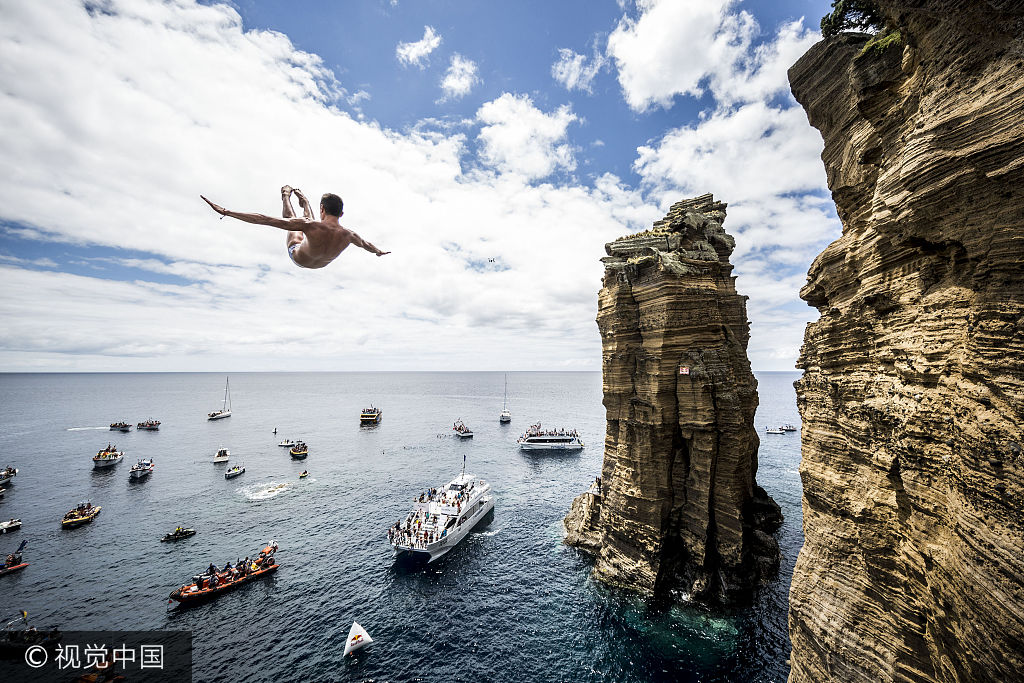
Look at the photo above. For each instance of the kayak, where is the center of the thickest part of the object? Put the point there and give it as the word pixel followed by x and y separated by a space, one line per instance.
pixel 191 594
pixel 9 570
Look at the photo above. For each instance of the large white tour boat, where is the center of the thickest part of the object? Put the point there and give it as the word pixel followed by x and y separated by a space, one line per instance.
pixel 537 438
pixel 440 518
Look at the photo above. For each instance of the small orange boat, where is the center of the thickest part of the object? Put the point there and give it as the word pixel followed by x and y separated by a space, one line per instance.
pixel 207 587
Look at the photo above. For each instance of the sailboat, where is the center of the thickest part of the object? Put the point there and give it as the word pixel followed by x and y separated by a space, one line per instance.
pixel 225 410
pixel 357 638
pixel 506 416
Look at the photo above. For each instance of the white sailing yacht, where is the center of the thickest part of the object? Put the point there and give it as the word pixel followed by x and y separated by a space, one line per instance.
pixel 505 416
pixel 225 410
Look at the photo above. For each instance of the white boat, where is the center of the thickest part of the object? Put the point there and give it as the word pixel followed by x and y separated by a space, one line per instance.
pixel 11 525
pixel 234 471
pixel 222 455
pixel 537 438
pixel 357 638
pixel 773 430
pixel 505 416
pixel 7 474
pixel 287 443
pixel 108 457
pixel 141 468
pixel 225 410
pixel 788 428
pixel 441 518
pixel 461 430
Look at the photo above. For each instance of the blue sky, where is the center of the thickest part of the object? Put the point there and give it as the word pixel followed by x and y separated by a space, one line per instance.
pixel 529 133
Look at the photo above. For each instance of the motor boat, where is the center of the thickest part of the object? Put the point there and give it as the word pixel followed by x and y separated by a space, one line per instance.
pixel 108 457
pixel 370 415
pixel 537 438
pixel 461 430
pixel 299 451
pixel 83 514
pixel 7 474
pixel 149 425
pixel 120 427
pixel 223 455
pixel 178 534
pixel 788 428
pixel 441 518
pixel 10 525
pixel 234 472
pixel 141 469
pixel 210 585
pixel 287 443
pixel 774 430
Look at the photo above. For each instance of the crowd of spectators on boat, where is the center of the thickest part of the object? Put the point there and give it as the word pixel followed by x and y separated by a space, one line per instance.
pixel 536 430
pixel 214 577
pixel 420 527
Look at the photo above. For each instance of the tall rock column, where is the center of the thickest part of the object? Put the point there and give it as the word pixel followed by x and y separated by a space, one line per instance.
pixel 678 505
pixel 912 396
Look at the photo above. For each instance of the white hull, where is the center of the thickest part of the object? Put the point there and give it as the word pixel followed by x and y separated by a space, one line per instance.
pixel 106 462
pixel 221 459
pixel 219 416
pixel 574 446
pixel 464 435
pixel 138 474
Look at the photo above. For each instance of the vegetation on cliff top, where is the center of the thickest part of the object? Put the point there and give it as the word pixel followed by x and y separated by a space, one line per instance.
pixel 852 15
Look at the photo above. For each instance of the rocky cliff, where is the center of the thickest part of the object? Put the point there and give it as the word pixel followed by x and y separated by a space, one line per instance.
pixel 678 505
pixel 912 397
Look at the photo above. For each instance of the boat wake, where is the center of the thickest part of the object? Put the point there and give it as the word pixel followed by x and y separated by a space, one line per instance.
pixel 264 491
pixel 83 429
pixel 488 534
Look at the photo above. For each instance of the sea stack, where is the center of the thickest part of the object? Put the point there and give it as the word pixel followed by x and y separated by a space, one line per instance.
pixel 912 396
pixel 678 507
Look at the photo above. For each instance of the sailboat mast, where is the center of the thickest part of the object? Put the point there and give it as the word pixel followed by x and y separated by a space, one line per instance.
pixel 504 402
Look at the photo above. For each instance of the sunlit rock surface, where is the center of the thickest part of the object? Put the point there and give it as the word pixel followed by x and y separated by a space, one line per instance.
pixel 679 507
pixel 912 397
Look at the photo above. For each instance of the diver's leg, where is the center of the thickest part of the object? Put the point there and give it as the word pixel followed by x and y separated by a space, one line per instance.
pixel 292 236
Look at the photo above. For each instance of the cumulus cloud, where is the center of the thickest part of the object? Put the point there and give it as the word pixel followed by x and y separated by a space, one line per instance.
pixel 460 78
pixel 519 138
pixel 574 71
pixel 108 147
pixel 418 53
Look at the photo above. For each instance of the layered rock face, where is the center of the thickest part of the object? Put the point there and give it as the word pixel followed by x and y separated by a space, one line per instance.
pixel 912 397
pixel 678 505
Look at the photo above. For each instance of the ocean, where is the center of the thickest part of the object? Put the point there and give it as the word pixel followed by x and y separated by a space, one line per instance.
pixel 511 603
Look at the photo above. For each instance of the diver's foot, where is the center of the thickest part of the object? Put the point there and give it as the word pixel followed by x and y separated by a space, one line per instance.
pixel 298 194
pixel 286 190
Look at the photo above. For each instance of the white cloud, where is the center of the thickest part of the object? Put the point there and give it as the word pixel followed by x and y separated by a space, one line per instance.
pixel 418 53
pixel 109 145
pixel 519 138
pixel 460 78
pixel 574 71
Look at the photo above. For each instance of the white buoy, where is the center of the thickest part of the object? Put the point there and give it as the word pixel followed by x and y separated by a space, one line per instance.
pixel 357 638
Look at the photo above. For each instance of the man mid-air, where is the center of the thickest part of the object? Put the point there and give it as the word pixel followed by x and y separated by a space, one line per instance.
pixel 311 243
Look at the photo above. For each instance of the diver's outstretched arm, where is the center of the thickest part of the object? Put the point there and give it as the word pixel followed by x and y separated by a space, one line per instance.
pixel 360 242
pixel 259 219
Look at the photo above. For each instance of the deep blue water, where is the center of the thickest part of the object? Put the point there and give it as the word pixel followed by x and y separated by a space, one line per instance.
pixel 511 603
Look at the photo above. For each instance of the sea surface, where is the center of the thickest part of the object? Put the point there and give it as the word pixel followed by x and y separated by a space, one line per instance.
pixel 511 603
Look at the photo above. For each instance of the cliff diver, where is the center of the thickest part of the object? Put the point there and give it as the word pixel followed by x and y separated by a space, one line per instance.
pixel 311 243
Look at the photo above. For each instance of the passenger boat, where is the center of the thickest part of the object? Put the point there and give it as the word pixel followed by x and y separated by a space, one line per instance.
pixel 178 534
pixel 299 451
pixel 149 425
pixel 357 638
pixel 370 415
pixel 234 472
pixel 206 586
pixel 13 562
pixel 287 443
pixel 774 430
pixel 141 469
pixel 505 416
pixel 461 430
pixel 83 514
pixel 7 474
pixel 788 428
pixel 108 457
pixel 225 410
pixel 223 455
pixel 119 427
pixel 441 518
pixel 11 525
pixel 537 438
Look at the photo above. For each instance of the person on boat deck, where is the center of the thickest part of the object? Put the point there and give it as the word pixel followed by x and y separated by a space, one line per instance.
pixel 311 243
pixel 212 569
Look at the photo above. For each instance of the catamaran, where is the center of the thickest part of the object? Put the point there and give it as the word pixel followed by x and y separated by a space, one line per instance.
pixel 225 410
pixel 505 416
pixel 537 438
pixel 440 518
